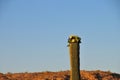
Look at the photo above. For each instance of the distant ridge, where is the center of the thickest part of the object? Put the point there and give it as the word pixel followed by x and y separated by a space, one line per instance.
pixel 61 75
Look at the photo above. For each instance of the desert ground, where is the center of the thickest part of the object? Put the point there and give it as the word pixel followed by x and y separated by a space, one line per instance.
pixel 60 75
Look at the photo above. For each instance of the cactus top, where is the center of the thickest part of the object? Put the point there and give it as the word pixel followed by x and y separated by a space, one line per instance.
pixel 74 39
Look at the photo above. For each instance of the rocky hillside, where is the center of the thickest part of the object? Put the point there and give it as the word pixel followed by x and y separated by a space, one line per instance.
pixel 61 75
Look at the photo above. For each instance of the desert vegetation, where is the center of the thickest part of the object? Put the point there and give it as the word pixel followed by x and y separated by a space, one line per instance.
pixel 61 75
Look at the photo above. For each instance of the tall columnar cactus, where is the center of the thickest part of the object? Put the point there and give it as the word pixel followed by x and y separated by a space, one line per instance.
pixel 74 57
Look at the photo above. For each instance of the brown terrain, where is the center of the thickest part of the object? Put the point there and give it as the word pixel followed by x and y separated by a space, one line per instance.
pixel 61 75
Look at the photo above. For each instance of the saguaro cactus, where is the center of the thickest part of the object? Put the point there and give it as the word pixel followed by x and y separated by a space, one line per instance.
pixel 74 57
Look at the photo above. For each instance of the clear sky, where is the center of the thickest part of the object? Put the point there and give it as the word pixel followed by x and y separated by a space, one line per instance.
pixel 34 34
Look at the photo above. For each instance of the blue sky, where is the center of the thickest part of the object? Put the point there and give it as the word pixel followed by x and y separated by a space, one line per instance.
pixel 34 33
